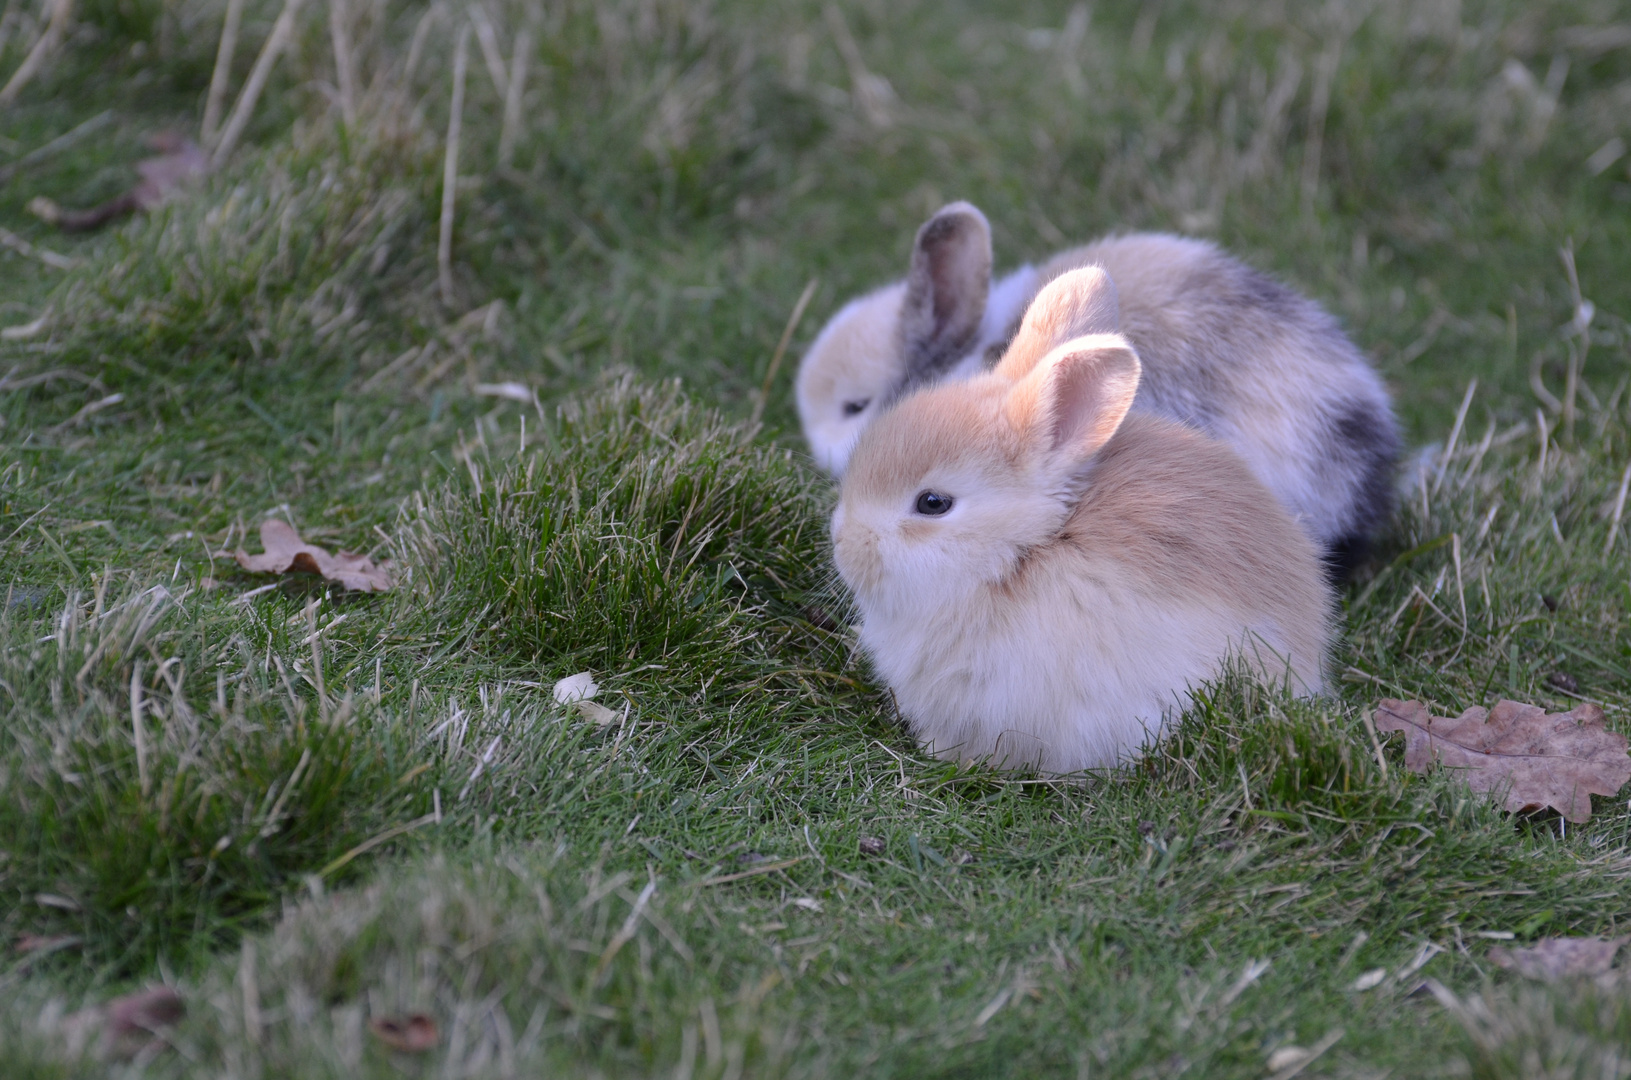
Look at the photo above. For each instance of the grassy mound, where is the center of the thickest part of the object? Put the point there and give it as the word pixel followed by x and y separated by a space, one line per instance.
pixel 168 771
pixel 639 531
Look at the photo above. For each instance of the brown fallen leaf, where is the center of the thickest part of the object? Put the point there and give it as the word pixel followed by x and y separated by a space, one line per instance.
pixel 411 1034
pixel 286 553
pixel 179 160
pixel 1552 959
pixel 600 715
pixel 129 1026
pixel 1538 759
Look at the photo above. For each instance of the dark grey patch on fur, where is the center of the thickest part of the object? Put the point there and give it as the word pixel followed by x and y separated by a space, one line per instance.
pixel 1369 440
pixel 946 293
pixel 1268 295
pixel 1344 556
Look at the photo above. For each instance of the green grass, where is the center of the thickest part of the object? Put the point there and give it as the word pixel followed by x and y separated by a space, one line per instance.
pixel 352 806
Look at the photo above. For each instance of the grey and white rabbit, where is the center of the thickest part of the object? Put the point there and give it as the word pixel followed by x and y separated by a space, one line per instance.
pixel 1043 579
pixel 1224 348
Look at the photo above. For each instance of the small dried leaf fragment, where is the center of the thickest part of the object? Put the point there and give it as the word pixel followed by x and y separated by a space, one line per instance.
pixel 1552 959
pixel 43 944
pixel 287 553
pixel 579 687
pixel 179 161
pixel 128 1026
pixel 1371 979
pixel 1538 759
pixel 412 1034
pixel 599 714
pixel 1287 1056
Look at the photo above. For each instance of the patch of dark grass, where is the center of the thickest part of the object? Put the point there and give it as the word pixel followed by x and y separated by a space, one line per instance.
pixel 645 532
pixel 165 783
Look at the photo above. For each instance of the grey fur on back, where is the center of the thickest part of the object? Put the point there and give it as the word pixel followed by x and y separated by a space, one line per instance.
pixel 1205 364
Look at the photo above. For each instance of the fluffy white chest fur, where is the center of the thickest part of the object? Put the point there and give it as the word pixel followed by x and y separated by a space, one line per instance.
pixel 1079 677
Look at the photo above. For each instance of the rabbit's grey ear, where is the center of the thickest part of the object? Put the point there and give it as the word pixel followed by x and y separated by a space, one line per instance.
pixel 945 292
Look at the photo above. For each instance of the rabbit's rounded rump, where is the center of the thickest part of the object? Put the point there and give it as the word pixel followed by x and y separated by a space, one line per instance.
pixel 1043 579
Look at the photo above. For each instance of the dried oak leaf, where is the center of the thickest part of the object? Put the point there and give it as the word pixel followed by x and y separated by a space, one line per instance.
pixel 286 553
pixel 412 1034
pixel 1538 759
pixel 1552 959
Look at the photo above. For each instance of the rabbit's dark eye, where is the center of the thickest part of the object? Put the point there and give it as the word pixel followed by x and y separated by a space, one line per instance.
pixel 933 504
pixel 856 408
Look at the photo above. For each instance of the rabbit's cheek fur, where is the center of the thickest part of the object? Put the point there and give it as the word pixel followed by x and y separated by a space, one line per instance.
pixel 853 359
pixel 904 565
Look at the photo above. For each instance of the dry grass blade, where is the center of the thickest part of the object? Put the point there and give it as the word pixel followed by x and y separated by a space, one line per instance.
pixel 450 169
pixel 1455 434
pixel 29 251
pixel 873 94
pixel 58 144
pixel 215 101
pixel 513 97
pixel 345 72
pixel 625 933
pixel 375 841
pixel 781 347
pixel 61 12
pixel 1619 509
pixel 1319 105
pixel 1294 1064
pixel 1578 333
pixel 416 47
pixel 282 31
pixel 140 740
pixel 765 868
pixel 487 38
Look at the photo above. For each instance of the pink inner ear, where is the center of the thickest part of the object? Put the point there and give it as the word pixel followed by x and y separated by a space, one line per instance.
pixel 1091 390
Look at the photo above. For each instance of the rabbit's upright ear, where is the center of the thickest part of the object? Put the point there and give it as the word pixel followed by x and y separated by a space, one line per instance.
pixel 1076 397
pixel 1071 305
pixel 945 291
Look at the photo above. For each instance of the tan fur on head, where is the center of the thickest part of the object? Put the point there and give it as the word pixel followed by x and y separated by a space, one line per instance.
pixel 1093 568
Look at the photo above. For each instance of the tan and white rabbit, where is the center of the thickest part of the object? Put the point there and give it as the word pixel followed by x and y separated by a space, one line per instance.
pixel 1042 578
pixel 1224 349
